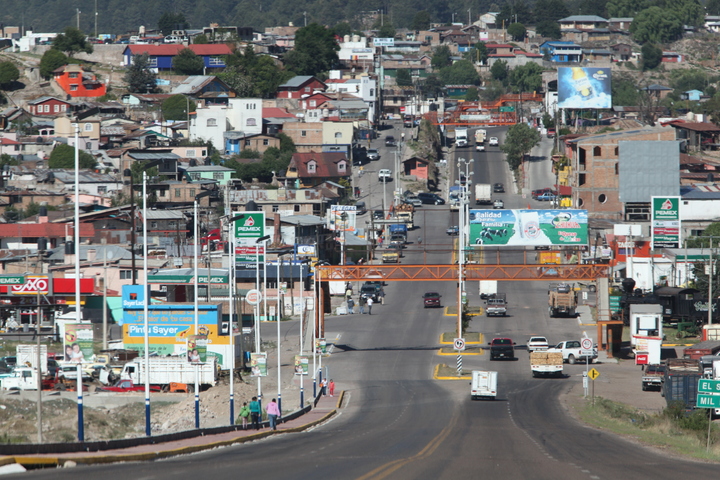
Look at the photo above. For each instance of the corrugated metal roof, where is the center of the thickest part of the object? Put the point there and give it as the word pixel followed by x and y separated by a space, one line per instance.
pixel 164 215
pixel 153 156
pixel 582 18
pixel 296 81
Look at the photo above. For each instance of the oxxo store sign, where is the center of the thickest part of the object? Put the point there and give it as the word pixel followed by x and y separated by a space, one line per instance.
pixel 43 285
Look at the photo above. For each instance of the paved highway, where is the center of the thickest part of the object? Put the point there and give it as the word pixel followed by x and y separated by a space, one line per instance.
pixel 399 423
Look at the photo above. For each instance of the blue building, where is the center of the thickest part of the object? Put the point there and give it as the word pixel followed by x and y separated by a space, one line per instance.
pixel 161 56
pixel 562 52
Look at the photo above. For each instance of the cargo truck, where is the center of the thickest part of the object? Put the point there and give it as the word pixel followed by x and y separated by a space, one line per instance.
pixel 483 194
pixel 405 213
pixel 398 234
pixel 562 300
pixel 646 320
pixel 483 385
pixel 480 135
pixel 165 371
pixel 546 364
pixel 461 137
pixel 681 381
pixel 27 356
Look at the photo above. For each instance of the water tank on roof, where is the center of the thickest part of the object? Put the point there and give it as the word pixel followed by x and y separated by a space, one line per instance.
pixel 251 206
pixel 193 163
pixel 628 284
pixel 346 38
pixel 42 244
pixel 69 247
pixel 43 211
pixel 356 38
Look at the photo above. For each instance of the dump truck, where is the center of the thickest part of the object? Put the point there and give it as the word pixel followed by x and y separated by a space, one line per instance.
pixel 546 364
pixel 562 300
pixel 681 381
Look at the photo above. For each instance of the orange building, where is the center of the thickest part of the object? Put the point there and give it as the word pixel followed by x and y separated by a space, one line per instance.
pixel 78 83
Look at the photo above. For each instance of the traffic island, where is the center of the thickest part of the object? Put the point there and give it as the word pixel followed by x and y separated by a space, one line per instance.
pixel 444 372
pixel 448 338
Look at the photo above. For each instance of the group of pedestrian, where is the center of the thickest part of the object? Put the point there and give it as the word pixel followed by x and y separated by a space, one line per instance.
pixel 253 413
pixel 363 302
pixel 327 388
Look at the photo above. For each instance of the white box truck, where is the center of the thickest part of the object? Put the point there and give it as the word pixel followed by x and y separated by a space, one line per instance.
pixel 483 194
pixel 167 370
pixel 27 356
pixel 645 320
pixel 461 137
pixel 483 385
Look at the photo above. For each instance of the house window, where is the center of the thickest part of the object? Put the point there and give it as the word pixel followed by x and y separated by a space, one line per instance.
pixel 307 89
pixel 617 169
pixel 313 103
pixel 177 193
pixel 275 208
pixel 153 224
pixel 101 189
pixel 311 167
pixel 73 75
pixel 597 152
pixel 56 108
pixel 216 62
pixel 296 208
pixel 190 153
pixel 212 122
pixel 192 192
pixel 73 88
pixel 172 224
pixel 602 198
pixel 341 167
pixel 581 179
pixel 250 122
pixel 218 176
pixel 247 143
pixel 266 141
pixel 250 106
pixel 372 92
pixel 88 145
pixel 63 108
pixel 303 133
pixel 338 134
pixel 617 151
pixel 162 193
pixel 125 274
pixel 317 209
pixel 88 127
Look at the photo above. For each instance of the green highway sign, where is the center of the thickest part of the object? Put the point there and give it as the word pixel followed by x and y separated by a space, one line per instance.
pixel 708 401
pixel 507 109
pixel 12 279
pixel 615 303
pixel 708 386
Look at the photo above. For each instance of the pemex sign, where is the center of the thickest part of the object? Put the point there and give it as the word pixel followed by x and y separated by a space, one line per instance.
pixel 665 227
pixel 247 231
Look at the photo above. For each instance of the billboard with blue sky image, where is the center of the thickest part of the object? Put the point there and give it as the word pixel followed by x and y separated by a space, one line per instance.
pixel 581 87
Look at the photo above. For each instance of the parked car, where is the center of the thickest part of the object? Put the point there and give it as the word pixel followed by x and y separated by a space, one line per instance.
pixel 413 200
pixel 373 154
pixel 454 230
pixel 498 188
pixel 493 142
pixel 361 209
pixel 498 204
pixel 390 141
pixel 430 198
pixel 550 132
pixel 546 197
pixel 378 215
pixel 540 191
pixel 432 299
pixel 384 174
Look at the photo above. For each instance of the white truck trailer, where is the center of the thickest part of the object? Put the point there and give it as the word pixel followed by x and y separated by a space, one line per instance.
pixel 483 194
pixel 167 370
pixel 483 385
pixel 546 364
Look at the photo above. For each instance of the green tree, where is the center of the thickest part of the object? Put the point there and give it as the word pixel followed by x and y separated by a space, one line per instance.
pixel 176 107
pixel 548 121
pixel 712 108
pixel 72 41
pixel 342 29
pixel 253 75
pixel 9 74
pixel 472 95
pixel 187 62
pixel 441 57
pixel 517 31
pixel 403 78
pixel 549 29
pixel 52 60
pixel 315 51
pixel 713 7
pixel 519 140
pixel 592 7
pixel 172 21
pixel 549 12
pixel 421 21
pixel 624 90
pixel 139 77
pixel 238 80
pixel 201 39
pixel 685 79
pixel 526 78
pixel 500 71
pixel 477 54
pixel 432 86
pixel 461 72
pixel 651 56
pixel 386 31
pixel 493 90
pixel 63 156
pixel 656 25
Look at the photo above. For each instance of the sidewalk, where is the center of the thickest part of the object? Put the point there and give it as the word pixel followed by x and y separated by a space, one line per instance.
pixel 326 407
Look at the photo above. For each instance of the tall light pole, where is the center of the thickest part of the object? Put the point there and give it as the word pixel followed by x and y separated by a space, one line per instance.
pixel 146 296
pixel 461 238
pixel 277 324
pixel 196 235
pixel 231 297
pixel 256 309
pixel 78 312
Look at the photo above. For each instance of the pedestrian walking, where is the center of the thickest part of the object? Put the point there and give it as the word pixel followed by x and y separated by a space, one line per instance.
pixel 348 292
pixel 331 387
pixel 255 412
pixel 362 301
pixel 369 305
pixel 323 387
pixel 273 413
pixel 350 304
pixel 244 415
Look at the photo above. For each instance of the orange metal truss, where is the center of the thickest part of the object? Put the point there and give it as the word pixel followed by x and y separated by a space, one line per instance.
pixel 449 273
pixel 489 108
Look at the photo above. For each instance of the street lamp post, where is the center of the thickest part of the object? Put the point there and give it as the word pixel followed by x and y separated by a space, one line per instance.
pixel 78 312
pixel 231 297
pixel 343 217
pixel 196 235
pixel 128 173
pixel 463 198
pixel 256 308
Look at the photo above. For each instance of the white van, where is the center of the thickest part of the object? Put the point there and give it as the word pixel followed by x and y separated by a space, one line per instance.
pixel 483 385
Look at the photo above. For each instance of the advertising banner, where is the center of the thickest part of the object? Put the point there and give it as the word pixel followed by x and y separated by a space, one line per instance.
pixel 197 348
pixel 581 87
pixel 528 227
pixel 666 222
pixel 320 345
pixel 258 364
pixel 342 218
pixel 301 364
pixel 78 342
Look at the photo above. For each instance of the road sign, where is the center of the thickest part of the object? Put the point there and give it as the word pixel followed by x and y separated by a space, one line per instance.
pixel 593 374
pixel 507 109
pixel 708 386
pixel 586 343
pixel 460 344
pixel 708 401
pixel 12 279
pixel 253 297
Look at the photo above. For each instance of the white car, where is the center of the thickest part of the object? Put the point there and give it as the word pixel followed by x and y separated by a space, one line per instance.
pixel 493 142
pixel 480 147
pixel 384 174
pixel 498 204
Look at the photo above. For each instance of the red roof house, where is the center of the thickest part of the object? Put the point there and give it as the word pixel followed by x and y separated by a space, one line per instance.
pixel 312 168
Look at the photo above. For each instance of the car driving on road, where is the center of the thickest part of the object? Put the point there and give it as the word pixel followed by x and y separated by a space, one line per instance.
pixel 498 188
pixel 498 204
pixel 454 230
pixel 493 142
pixel 432 299
pixel 373 154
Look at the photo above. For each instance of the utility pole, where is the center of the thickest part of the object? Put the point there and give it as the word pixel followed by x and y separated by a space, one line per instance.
pixel 78 18
pixel 469 18
pixel 96 19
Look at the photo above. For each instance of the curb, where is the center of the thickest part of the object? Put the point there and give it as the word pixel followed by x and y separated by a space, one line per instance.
pixel 479 342
pixel 436 377
pixel 454 354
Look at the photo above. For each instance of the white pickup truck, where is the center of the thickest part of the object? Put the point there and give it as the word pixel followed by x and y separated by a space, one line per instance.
pixel 546 364
pixel 571 351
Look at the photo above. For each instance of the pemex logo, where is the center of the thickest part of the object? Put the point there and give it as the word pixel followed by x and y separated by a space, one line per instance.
pixel 249 222
pixel 666 205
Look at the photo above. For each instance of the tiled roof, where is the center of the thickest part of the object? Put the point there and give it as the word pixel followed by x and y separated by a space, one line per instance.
pixel 326 164
pixel 698 126
pixel 13 230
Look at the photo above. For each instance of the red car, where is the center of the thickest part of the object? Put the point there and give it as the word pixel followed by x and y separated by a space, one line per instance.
pixel 127 386
pixel 432 299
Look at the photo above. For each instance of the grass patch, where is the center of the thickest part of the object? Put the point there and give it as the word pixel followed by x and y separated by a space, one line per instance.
pixel 445 371
pixel 672 429
pixel 471 311
pixel 469 336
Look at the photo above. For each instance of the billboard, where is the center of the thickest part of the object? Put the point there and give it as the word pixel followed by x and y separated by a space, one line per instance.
pixel 528 227
pixel 337 223
pixel 665 222
pixel 258 364
pixel 78 342
pixel 581 87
